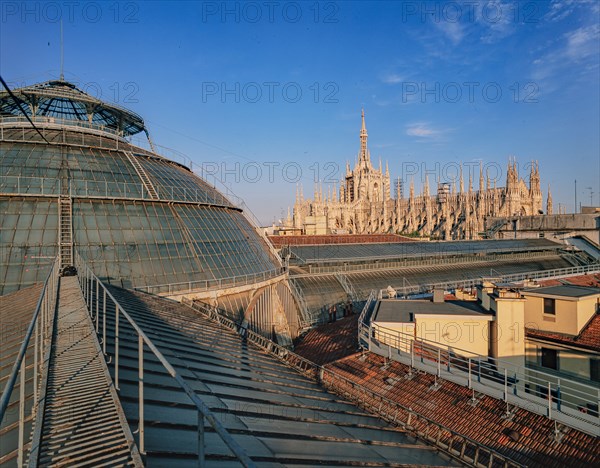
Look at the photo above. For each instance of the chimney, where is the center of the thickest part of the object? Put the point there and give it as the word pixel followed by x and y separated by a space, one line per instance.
pixel 438 295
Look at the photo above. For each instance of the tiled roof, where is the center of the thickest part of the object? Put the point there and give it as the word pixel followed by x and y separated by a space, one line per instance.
pixel 583 280
pixel 526 437
pixel 330 342
pixel 589 338
pixel 280 241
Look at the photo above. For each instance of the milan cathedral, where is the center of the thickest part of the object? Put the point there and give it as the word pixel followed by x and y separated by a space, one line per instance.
pixel 363 203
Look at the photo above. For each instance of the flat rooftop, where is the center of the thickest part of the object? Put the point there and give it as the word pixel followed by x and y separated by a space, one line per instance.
pixel 565 290
pixel 399 310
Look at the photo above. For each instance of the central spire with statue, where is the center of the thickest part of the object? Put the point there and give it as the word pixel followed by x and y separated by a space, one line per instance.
pixel 364 205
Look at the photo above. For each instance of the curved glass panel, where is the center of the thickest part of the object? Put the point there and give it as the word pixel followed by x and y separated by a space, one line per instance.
pixel 28 241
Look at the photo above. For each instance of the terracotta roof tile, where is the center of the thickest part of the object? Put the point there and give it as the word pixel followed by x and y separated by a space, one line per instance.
pixel 329 342
pixel 589 338
pixel 280 241
pixel 582 280
pixel 532 442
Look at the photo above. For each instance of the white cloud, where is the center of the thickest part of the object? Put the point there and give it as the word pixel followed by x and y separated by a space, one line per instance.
pixel 582 42
pixel 497 22
pixel 392 78
pixel 561 9
pixel 423 130
pixel 453 30
pixel 575 55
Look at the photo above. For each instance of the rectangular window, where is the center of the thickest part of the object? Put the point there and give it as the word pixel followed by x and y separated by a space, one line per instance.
pixel 549 306
pixel 550 358
pixel 595 370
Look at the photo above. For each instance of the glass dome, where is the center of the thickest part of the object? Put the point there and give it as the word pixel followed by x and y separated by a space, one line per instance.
pixel 138 218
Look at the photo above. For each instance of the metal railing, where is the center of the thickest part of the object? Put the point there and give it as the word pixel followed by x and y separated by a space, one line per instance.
pixel 41 329
pixel 441 252
pixel 208 285
pixel 305 316
pixel 30 185
pixel 43 123
pixel 365 314
pixel 459 446
pixel 347 286
pixel 412 260
pixel 507 278
pixel 97 297
pixel 451 442
pixel 556 397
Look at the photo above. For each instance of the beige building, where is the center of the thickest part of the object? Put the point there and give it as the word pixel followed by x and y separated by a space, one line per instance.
pixel 459 326
pixel 563 335
pixel 468 328
pixel 542 336
pixel 363 203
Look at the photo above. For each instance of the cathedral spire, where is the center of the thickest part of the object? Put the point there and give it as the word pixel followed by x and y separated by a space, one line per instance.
pixel 481 187
pixel 549 207
pixel 364 153
pixel 461 187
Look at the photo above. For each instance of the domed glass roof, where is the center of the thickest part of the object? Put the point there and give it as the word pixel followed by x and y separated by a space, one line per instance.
pixel 62 100
pixel 139 219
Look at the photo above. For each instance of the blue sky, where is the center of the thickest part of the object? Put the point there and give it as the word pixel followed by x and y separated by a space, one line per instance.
pixel 266 95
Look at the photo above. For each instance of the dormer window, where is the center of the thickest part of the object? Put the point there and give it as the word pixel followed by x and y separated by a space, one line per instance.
pixel 549 306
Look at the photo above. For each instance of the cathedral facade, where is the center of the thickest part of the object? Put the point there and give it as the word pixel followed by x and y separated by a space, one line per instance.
pixel 363 203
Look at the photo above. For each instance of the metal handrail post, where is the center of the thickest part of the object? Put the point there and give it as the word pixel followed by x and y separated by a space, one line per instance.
pixel 116 346
pixel 141 392
pixel 97 302
pixel 22 412
pixel 35 366
pixel 549 401
pixel 104 323
pixel 470 382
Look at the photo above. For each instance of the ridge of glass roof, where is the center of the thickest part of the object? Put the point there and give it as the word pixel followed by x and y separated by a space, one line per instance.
pixel 63 100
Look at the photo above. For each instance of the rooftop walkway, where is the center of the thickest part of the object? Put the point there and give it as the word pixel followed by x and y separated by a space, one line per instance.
pixel 83 423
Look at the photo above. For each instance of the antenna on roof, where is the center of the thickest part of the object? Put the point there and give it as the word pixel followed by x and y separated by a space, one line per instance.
pixel 62 53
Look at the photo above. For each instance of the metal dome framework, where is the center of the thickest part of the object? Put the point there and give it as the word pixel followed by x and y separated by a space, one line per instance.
pixel 138 218
pixel 59 99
